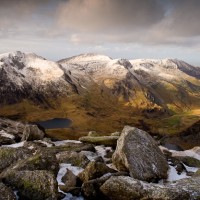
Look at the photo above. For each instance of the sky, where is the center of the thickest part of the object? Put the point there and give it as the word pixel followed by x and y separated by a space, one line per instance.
pixel 57 29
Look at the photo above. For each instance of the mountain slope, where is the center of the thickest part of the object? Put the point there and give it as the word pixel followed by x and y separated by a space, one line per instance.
pixel 101 93
pixel 30 76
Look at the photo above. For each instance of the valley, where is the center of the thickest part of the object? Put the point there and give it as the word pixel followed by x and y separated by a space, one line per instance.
pixel 100 93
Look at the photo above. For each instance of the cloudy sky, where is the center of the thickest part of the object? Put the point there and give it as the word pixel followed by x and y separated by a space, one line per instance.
pixel 118 28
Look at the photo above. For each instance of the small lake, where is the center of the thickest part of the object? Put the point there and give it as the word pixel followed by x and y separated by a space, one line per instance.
pixel 55 123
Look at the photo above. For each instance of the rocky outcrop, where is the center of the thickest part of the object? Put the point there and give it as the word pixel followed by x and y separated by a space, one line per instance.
pixel 20 131
pixel 138 153
pixel 94 170
pixel 6 193
pixel 34 185
pixel 127 188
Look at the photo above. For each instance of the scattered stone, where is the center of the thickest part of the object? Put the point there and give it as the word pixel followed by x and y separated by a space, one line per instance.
pixel 94 170
pixel 93 134
pixel 138 153
pixel 180 168
pixel 72 157
pixel 71 183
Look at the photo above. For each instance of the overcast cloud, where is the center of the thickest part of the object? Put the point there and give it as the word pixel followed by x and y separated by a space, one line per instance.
pixel 102 26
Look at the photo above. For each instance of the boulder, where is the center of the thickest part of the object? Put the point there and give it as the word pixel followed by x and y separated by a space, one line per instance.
pixel 40 161
pixel 127 188
pixel 72 157
pixel 91 188
pixel 138 153
pixel 9 156
pixel 32 132
pixel 6 193
pixel 21 131
pixel 34 185
pixel 100 140
pixel 70 182
pixel 94 170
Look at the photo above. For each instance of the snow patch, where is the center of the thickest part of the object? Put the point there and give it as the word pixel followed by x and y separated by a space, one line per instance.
pixel 16 145
pixel 64 142
pixel 5 134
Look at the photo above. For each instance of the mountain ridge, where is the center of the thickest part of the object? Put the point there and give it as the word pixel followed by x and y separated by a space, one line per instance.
pixel 91 87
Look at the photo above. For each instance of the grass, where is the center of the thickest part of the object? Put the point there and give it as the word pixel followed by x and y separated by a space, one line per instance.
pixel 99 110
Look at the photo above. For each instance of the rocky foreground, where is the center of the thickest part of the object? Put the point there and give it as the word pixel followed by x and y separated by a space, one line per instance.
pixel 127 165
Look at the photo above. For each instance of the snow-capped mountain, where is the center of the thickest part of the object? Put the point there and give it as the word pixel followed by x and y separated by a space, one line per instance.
pixel 152 87
pixel 26 75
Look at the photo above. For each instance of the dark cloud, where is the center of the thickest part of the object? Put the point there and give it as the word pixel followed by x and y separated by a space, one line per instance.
pixel 168 22
pixel 102 15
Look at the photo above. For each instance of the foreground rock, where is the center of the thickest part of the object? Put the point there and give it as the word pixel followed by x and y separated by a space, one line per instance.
pixel 39 161
pixel 91 189
pixel 127 188
pixel 9 156
pixel 6 193
pixel 34 185
pixel 94 170
pixel 138 153
pixel 100 140
pixel 20 131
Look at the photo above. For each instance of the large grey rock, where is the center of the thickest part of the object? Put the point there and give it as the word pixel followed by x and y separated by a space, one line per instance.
pixel 94 170
pixel 138 153
pixel 21 131
pixel 34 185
pixel 6 193
pixel 127 188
